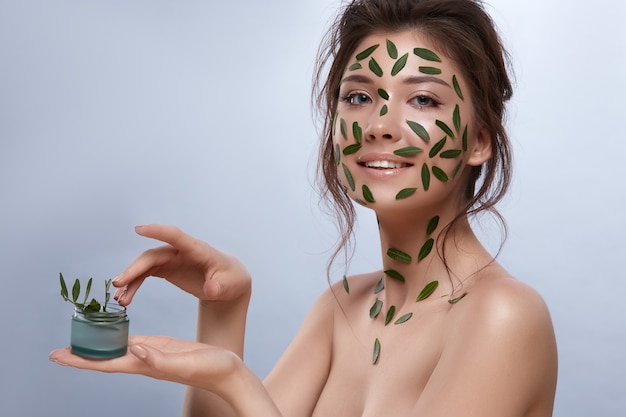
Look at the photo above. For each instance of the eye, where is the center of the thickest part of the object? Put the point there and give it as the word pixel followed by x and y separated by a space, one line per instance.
pixel 424 101
pixel 358 99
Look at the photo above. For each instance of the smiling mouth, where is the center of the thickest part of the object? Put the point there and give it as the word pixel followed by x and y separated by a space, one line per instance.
pixel 385 164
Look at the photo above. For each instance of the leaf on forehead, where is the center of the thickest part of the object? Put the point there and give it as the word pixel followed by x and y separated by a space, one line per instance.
pixel 375 309
pixel 437 147
pixel 392 50
pixel 465 139
pixel 364 54
pixel 430 70
pixel 349 177
pixel 393 274
pixel 432 225
pixel 357 132
pixel 405 193
pixel 355 67
pixel 367 194
pixel 451 154
pixel 426 54
pixel 427 290
pixel 446 129
pixel 398 255
pixel 408 151
pixel 380 286
pixel 390 314
pixel 457 168
pixel 404 318
pixel 376 353
pixel 440 174
pixel 383 94
pixel 457 87
pixel 425 177
pixel 456 118
pixel 384 110
pixel 400 64
pixel 419 130
pixel 375 68
pixel 346 287
pixel 343 129
pixel 425 249
pixel 351 149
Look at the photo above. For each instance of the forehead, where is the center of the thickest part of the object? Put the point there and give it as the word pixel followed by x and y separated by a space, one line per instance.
pixel 391 48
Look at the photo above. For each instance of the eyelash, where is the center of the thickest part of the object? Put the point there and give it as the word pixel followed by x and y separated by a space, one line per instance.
pixel 349 98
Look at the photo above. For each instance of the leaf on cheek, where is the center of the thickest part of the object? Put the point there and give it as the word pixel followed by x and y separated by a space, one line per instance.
pixel 384 110
pixel 457 168
pixel 451 154
pixel 337 155
pixel 351 149
pixel 419 130
pixel 367 194
pixel 408 151
pixel 405 193
pixel 357 132
pixel 425 177
pixel 349 177
pixel 465 139
pixel 446 129
pixel 456 118
pixel 457 87
pixel 440 174
pixel 343 128
pixel 437 147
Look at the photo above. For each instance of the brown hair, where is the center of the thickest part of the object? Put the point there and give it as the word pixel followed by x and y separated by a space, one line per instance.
pixel 463 31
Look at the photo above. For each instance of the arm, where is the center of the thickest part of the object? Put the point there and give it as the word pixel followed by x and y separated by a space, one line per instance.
pixel 499 357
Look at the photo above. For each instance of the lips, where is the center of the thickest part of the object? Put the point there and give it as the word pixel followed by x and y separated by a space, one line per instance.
pixel 384 164
pixel 383 161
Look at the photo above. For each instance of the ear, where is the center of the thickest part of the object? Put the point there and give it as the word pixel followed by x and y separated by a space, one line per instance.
pixel 480 150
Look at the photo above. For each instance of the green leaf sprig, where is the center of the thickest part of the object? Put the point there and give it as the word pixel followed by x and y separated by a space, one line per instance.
pixel 93 305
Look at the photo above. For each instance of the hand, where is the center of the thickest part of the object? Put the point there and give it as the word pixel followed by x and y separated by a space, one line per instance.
pixel 188 263
pixel 160 357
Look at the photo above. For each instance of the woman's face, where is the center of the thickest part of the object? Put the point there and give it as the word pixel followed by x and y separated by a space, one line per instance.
pixel 404 129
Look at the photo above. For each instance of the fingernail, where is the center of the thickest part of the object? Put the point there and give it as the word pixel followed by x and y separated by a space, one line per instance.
pixel 138 351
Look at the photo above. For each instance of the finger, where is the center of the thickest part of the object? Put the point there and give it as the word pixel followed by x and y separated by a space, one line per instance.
pixel 145 265
pixel 126 294
pixel 168 234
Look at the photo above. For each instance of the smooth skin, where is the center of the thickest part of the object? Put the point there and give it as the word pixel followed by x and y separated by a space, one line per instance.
pixel 492 354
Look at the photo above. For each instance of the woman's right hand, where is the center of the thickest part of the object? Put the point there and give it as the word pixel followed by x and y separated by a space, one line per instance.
pixel 215 278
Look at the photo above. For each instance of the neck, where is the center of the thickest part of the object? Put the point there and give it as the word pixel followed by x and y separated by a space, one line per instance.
pixel 412 252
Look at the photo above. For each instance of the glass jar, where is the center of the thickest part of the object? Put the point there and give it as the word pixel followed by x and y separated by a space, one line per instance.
pixel 101 334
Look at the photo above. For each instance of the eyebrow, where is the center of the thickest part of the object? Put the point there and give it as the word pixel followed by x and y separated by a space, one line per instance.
pixel 417 79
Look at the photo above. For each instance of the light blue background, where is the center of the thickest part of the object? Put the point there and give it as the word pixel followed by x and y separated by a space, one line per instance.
pixel 197 113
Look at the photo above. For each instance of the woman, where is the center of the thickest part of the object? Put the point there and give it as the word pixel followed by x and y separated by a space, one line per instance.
pixel 414 106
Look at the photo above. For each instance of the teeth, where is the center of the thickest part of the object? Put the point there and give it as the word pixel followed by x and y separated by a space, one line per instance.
pixel 384 164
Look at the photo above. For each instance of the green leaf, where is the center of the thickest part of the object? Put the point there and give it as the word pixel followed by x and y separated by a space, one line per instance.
pixel 405 193
pixel 375 309
pixel 367 194
pixel 93 306
pixel 426 54
pixel 390 314
pixel 346 287
pixel 408 151
pixel 457 299
pixel 398 255
pixel 384 110
pixel 394 275
pixel 88 290
pixel 364 54
pixel 430 70
pixel 432 225
pixel 361 202
pixel 419 130
pixel 349 177
pixel 76 290
pixel 440 174
pixel 457 168
pixel 375 68
pixel 380 286
pixel 425 177
pixel 350 149
pixel 456 118
pixel 426 249
pixel 343 128
pixel 337 154
pixel 464 140
pixel 355 67
pixel 400 64
pixel 451 154
pixel 437 147
pixel 64 293
pixel 392 50
pixel 376 353
pixel 457 87
pixel 383 94
pixel 357 132
pixel 428 290
pixel 404 319
pixel 446 129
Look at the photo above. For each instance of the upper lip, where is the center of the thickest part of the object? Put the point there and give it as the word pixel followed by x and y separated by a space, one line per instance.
pixel 382 157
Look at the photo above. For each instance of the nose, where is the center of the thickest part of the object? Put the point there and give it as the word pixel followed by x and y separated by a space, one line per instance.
pixel 383 125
